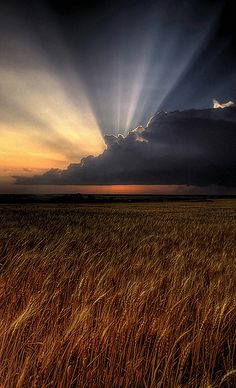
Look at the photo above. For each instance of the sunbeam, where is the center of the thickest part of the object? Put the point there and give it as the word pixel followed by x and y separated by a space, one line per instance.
pixel 130 83
pixel 69 77
pixel 46 118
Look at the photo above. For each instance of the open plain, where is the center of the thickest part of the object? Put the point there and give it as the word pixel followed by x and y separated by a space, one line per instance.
pixel 118 295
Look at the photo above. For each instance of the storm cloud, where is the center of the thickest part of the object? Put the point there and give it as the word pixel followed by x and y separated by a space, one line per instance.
pixel 193 147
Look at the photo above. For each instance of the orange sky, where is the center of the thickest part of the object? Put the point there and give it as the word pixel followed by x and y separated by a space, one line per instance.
pixel 42 127
pixel 6 187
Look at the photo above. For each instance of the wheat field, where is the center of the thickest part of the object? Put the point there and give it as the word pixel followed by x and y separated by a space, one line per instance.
pixel 122 295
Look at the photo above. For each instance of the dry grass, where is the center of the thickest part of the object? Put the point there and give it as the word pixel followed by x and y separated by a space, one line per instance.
pixel 118 296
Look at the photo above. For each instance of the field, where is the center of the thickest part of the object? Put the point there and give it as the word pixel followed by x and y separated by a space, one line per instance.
pixel 122 295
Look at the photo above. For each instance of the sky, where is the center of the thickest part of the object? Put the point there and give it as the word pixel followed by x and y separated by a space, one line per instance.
pixel 80 80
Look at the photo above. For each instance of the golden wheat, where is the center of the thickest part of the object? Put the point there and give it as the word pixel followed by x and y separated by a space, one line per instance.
pixel 129 295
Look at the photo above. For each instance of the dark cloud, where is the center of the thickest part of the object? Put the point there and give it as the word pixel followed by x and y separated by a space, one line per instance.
pixel 194 147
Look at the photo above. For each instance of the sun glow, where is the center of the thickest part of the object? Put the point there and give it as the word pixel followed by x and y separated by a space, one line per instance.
pixel 41 126
pixel 46 120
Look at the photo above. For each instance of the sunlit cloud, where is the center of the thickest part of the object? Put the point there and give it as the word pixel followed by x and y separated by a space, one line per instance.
pixel 217 104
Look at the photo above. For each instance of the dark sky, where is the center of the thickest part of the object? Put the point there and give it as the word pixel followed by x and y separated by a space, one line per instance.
pixel 72 72
pixel 133 57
